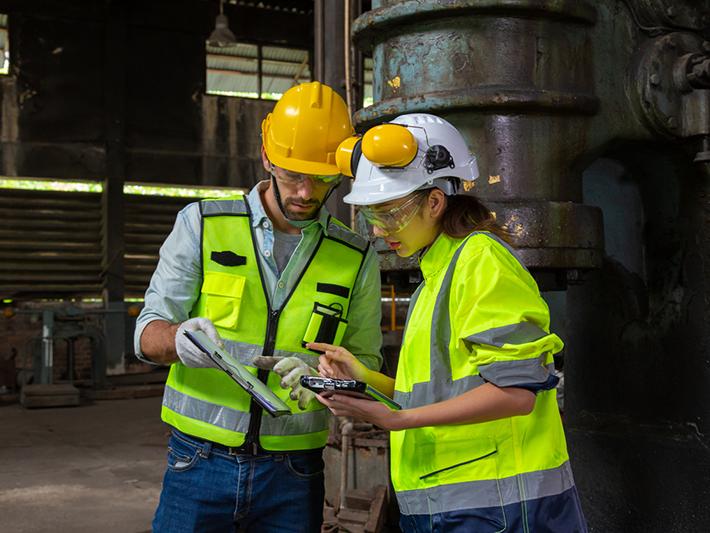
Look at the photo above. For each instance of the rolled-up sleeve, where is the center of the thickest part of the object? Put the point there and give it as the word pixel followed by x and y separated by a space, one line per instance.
pixel 363 336
pixel 175 284
pixel 505 323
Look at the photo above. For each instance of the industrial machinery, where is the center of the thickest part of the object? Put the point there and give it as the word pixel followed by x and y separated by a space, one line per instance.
pixel 591 123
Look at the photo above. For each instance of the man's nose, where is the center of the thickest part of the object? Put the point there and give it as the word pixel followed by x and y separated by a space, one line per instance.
pixel 306 188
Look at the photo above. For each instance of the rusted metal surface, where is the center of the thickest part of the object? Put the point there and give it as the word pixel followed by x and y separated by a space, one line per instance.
pixel 671 14
pixel 516 79
pixel 672 89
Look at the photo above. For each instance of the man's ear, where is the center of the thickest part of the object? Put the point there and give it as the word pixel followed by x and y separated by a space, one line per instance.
pixel 265 160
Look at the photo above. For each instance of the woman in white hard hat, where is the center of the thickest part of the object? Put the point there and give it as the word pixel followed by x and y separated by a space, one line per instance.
pixel 478 444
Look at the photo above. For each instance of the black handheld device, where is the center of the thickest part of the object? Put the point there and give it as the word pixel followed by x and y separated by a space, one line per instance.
pixel 352 387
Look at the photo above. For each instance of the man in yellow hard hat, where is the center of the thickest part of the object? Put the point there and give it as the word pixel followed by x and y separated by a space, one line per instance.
pixel 262 275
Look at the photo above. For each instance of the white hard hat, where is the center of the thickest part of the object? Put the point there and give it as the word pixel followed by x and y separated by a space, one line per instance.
pixel 391 168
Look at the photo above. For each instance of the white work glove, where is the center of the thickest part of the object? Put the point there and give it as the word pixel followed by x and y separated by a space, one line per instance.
pixel 290 369
pixel 189 354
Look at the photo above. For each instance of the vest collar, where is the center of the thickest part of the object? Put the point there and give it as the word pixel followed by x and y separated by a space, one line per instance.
pixel 259 216
pixel 438 255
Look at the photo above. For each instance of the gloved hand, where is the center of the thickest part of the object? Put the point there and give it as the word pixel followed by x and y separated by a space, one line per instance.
pixel 189 354
pixel 290 369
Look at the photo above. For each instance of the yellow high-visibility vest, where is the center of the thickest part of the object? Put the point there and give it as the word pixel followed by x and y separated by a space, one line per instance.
pixel 205 402
pixel 477 317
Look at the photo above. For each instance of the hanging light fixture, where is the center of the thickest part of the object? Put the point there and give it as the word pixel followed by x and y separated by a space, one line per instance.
pixel 221 36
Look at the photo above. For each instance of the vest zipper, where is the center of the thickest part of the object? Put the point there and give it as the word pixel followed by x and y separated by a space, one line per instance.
pixel 251 442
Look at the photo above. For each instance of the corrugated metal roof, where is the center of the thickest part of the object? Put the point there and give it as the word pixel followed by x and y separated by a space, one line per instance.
pixel 284 54
pixel 231 82
pixel 239 49
pixel 239 64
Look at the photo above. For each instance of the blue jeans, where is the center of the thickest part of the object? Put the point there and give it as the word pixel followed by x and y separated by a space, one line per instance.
pixel 561 513
pixel 207 489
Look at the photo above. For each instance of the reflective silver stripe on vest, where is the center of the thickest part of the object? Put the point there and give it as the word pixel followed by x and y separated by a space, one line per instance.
pixel 212 208
pixel 211 413
pixel 296 424
pixel 486 493
pixel 519 333
pixel 353 239
pixel 420 394
pixel 440 385
pixel 245 353
pixel 511 373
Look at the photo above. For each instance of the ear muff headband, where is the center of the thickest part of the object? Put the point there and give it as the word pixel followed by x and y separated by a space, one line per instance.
pixel 347 156
pixel 355 156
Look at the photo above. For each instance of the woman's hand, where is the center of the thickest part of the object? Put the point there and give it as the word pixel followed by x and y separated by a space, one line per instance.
pixel 366 410
pixel 337 362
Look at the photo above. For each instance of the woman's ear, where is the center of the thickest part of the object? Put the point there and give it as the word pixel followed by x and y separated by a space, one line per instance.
pixel 436 201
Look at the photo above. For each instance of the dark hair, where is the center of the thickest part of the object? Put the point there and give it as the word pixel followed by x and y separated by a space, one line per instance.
pixel 465 214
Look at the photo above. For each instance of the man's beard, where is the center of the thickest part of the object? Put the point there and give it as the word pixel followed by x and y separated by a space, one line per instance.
pixel 301 215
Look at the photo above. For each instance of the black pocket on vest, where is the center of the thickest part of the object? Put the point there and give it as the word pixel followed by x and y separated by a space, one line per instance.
pixel 332 288
pixel 228 259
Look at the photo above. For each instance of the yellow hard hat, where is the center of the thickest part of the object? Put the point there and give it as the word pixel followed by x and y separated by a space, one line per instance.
pixel 304 130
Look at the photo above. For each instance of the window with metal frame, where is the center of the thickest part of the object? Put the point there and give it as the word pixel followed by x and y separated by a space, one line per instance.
pixel 4 45
pixel 255 71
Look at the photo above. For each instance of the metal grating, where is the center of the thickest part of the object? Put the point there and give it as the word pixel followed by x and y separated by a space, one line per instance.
pixel 50 242
pixel 147 223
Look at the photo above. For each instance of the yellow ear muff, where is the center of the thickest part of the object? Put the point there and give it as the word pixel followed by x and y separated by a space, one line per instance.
pixel 347 156
pixel 389 145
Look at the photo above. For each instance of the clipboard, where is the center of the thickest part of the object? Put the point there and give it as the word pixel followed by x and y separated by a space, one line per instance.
pixel 264 396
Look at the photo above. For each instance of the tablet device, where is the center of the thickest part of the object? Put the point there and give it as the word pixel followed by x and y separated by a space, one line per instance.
pixel 351 387
pixel 263 395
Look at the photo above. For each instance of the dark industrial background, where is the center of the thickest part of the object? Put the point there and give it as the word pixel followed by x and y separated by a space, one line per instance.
pixel 591 122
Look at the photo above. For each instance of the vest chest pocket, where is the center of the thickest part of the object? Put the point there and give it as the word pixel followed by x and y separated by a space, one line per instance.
pixel 325 325
pixel 222 294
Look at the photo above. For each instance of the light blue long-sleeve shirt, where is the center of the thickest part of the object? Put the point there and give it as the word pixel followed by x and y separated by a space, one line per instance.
pixel 176 282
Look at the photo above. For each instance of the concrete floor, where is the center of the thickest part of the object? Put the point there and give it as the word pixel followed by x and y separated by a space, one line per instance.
pixel 92 468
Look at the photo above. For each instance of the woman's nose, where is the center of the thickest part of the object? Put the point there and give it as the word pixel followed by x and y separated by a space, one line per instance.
pixel 377 231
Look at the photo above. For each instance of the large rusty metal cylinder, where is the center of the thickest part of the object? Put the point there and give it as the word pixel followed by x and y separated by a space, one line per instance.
pixel 515 76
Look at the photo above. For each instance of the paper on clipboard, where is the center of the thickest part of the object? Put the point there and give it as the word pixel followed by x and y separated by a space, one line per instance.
pixel 245 379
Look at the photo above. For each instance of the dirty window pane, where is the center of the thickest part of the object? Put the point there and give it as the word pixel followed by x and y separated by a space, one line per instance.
pixel 282 68
pixel 233 71
pixel 4 46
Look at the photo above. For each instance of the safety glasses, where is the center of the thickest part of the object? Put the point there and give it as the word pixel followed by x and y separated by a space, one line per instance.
pixel 294 178
pixel 394 219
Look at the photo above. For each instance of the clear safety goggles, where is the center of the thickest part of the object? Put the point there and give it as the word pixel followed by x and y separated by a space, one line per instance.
pixel 294 178
pixel 394 219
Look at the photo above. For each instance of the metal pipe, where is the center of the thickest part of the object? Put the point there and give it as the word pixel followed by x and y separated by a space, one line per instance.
pixel 393 309
pixel 318 40
pixel 47 363
pixel 345 432
pixel 347 52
